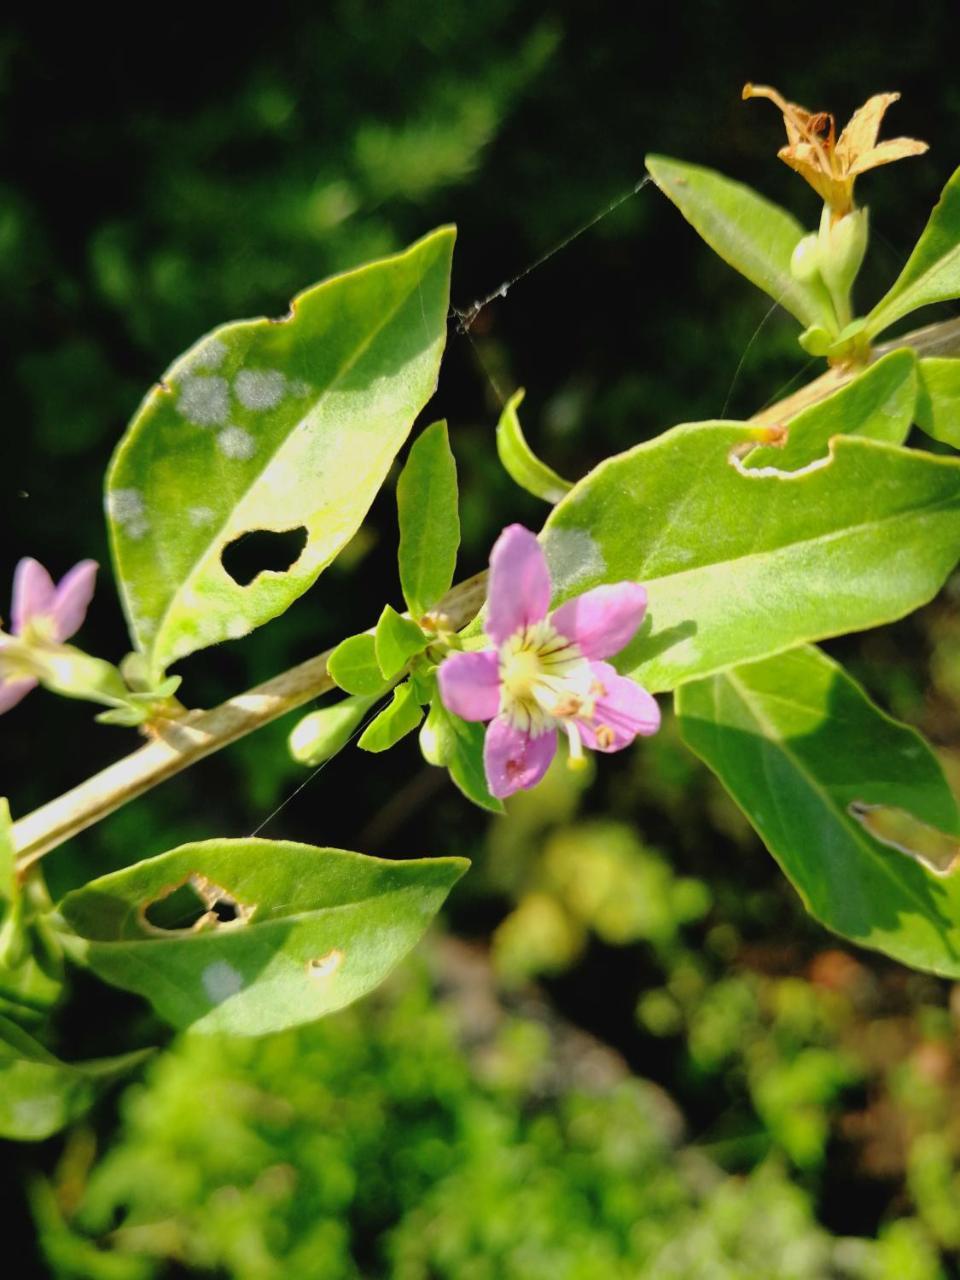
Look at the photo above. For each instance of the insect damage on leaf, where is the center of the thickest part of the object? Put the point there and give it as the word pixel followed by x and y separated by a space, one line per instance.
pixel 325 966
pixel 263 551
pixel 737 454
pixel 194 905
pixel 900 830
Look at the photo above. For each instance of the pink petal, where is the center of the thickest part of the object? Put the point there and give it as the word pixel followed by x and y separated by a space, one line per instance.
pixel 73 595
pixel 11 692
pixel 470 684
pixel 623 708
pixel 512 760
pixel 519 591
pixel 33 593
pixel 602 621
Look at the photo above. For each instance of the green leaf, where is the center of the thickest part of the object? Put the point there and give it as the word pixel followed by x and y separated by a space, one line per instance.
pixel 878 404
pixel 749 232
pixel 39 1094
pixel 427 507
pixel 938 401
pixel 395 641
pixel 457 745
pixel 353 666
pixel 312 929
pixel 740 565
pixel 520 462
pixel 272 426
pixel 395 721
pixel 932 272
pixel 803 750
pixel 322 733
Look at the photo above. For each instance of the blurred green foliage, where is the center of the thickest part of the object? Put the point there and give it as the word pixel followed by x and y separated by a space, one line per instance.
pixel 374 1144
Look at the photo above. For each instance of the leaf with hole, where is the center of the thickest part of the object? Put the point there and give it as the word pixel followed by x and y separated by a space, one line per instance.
pixel 938 401
pixel 265 934
pixel 932 272
pixel 271 427
pixel 878 404
pixel 394 722
pixel 429 517
pixel 752 234
pixel 520 462
pixel 808 757
pixel 40 1094
pixel 740 565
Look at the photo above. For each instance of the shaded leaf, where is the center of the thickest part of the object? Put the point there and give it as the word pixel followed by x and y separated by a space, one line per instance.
pixel 271 426
pixel 520 462
pixel 39 1094
pixel 394 722
pixel 457 745
pixel 752 234
pixel 932 272
pixel 429 516
pixel 938 401
pixel 804 752
pixel 740 565
pixel 312 929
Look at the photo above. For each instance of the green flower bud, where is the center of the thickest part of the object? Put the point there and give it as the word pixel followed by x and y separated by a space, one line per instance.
pixel 842 243
pixel 805 260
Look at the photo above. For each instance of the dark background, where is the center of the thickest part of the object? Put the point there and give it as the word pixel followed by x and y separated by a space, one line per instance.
pixel 167 171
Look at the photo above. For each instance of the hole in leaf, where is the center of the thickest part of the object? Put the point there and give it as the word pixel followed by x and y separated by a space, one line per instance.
pixel 900 830
pixel 195 905
pixel 260 551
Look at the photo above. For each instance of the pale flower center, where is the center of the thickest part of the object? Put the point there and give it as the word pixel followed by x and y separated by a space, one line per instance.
pixel 545 682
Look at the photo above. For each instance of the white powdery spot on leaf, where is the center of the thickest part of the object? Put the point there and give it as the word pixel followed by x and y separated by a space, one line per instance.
pixel 199 516
pixel 238 627
pixel 234 442
pixel 210 355
pixel 221 981
pixel 300 388
pixel 574 558
pixel 260 388
pixel 204 401
pixel 126 508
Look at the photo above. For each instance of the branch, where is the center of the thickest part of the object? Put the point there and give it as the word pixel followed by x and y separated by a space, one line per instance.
pixel 182 743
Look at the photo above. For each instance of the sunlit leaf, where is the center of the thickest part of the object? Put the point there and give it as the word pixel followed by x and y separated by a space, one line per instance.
pixel 932 272
pixel 752 234
pixel 738 564
pixel 878 404
pixel 250 936
pixel 395 641
pixel 520 462
pixel 271 426
pixel 394 722
pixel 324 732
pixel 805 754
pixel 428 511
pixel 353 666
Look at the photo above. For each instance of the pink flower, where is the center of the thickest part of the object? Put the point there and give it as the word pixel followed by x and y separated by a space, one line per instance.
pixel 42 614
pixel 544 672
